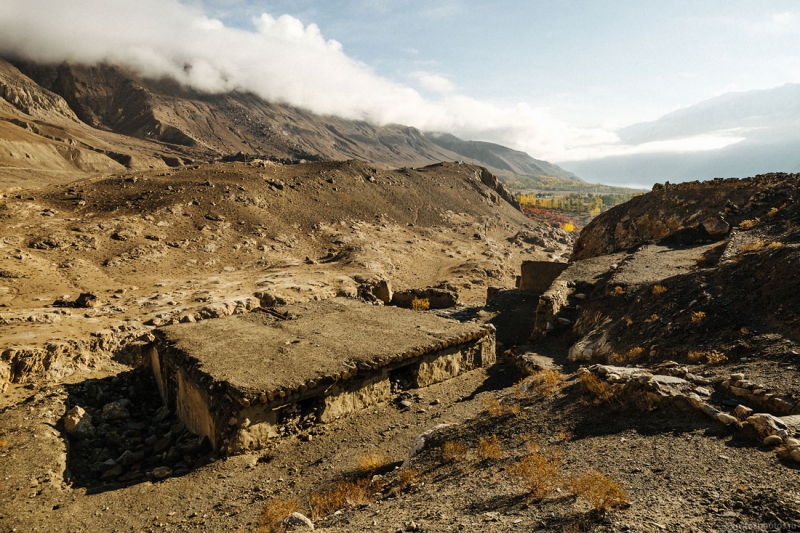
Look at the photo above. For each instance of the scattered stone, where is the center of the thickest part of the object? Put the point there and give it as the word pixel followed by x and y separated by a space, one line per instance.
pixel 298 521
pixel 742 412
pixel 726 419
pixel 115 411
pixel 772 440
pixel 86 300
pixel 162 472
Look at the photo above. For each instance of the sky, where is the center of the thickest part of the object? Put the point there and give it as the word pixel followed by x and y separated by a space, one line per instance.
pixel 552 78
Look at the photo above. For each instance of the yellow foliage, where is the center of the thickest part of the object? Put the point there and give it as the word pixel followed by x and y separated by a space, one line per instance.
pixel 698 317
pixel 601 491
pixel 372 461
pixel 453 451
pixel 273 513
pixel 489 448
pixel 420 304
pixel 569 227
pixel 659 289
pixel 538 471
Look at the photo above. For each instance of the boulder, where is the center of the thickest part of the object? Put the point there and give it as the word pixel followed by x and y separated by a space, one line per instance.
pixel 78 423
pixel 298 521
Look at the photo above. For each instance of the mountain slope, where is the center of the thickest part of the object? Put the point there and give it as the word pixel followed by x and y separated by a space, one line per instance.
pixel 500 158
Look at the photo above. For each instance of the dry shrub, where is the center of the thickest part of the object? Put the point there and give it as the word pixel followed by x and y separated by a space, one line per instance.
pixel 654 317
pixel 564 434
pixel 772 212
pixel 629 357
pixel 602 391
pixel 659 289
pixel 698 317
pixel 531 441
pixel 492 405
pixel 601 491
pixel 628 320
pixel 744 331
pixel 513 409
pixel 489 448
pixel 343 494
pixel 753 246
pixel 643 401
pixel 538 471
pixel 372 461
pixel 546 382
pixel 420 304
pixel 747 224
pixel 774 244
pixel 407 476
pixel 273 513
pixel 453 451
pixel 617 291
pixel 712 357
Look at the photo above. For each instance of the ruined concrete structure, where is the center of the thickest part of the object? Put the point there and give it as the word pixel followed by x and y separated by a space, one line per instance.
pixel 537 276
pixel 237 380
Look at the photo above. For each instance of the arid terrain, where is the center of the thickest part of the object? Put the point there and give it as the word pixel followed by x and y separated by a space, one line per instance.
pixel 651 387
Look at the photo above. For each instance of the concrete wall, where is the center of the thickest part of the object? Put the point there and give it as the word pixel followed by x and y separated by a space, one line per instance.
pixel 537 276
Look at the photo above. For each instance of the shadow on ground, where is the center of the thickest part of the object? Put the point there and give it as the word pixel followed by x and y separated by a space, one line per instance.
pixel 131 437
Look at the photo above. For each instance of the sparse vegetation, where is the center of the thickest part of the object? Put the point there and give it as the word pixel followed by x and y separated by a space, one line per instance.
pixel 659 289
pixel 772 212
pixel 602 391
pixel 489 448
pixel 630 356
pixel 420 304
pixel 546 382
pixel 774 244
pixel 372 461
pixel 747 224
pixel 752 247
pixel 712 357
pixel 538 471
pixel 654 317
pixel 628 321
pixel 617 291
pixel 698 317
pixel 273 513
pixel 601 491
pixel 453 451
pixel 493 406
pixel 407 476
pixel 344 494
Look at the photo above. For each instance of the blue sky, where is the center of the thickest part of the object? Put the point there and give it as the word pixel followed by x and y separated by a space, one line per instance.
pixel 553 78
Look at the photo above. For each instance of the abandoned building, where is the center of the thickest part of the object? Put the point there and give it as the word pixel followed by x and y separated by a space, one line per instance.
pixel 237 380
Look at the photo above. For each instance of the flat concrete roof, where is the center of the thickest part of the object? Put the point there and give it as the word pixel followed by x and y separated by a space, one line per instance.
pixel 260 352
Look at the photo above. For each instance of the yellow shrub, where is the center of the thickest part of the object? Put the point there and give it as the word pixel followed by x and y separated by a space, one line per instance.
pixel 489 448
pixel 774 244
pixel 372 461
pixel 453 451
pixel 343 494
pixel 659 289
pixel 747 224
pixel 420 304
pixel 273 513
pixel 617 291
pixel 712 357
pixel 698 317
pixel 600 491
pixel 602 391
pixel 407 476
pixel 538 471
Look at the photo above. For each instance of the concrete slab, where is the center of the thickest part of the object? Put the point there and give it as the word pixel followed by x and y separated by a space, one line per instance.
pixel 237 379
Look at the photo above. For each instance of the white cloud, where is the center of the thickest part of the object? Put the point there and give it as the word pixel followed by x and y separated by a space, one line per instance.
pixel 433 82
pixel 283 60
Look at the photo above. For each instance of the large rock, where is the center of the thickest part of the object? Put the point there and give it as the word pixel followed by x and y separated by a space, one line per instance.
pixel 78 423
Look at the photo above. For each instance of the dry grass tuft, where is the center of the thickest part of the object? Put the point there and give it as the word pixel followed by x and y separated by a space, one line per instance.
pixel 493 406
pixel 774 244
pixel 628 320
pixel 602 391
pixel 753 246
pixel 698 317
pixel 273 513
pixel 712 357
pixel 453 451
pixel 772 212
pixel 601 491
pixel 408 476
pixel 747 224
pixel 634 354
pixel 343 494
pixel 372 461
pixel 547 382
pixel 654 317
pixel 420 304
pixel 617 291
pixel 538 471
pixel 489 448
pixel 659 289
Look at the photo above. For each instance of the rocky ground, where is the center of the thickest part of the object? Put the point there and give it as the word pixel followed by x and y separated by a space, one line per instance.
pixel 663 345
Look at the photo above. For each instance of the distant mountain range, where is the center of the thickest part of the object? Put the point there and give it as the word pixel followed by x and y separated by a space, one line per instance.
pixel 106 118
pixel 768 120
